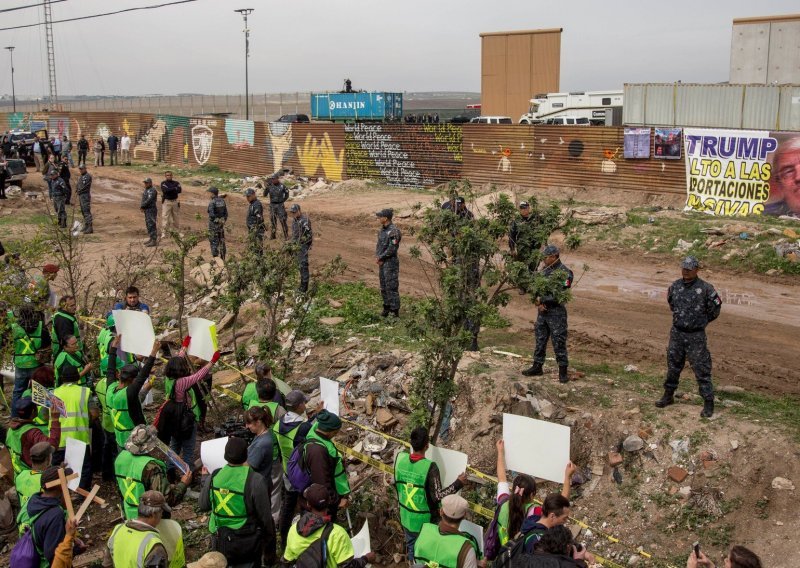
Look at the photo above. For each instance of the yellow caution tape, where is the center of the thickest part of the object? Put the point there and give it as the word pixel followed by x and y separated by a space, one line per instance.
pixel 229 392
pixel 483 511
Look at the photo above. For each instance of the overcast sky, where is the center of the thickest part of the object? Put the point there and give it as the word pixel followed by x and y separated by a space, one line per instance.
pixel 405 45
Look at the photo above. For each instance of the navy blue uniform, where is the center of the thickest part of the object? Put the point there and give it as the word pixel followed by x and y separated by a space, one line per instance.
pixel 552 322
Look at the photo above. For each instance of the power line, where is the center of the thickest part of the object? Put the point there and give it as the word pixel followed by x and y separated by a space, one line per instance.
pixel 99 15
pixel 29 6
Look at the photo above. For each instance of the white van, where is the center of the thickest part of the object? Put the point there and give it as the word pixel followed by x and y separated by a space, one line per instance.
pixel 491 120
pixel 568 121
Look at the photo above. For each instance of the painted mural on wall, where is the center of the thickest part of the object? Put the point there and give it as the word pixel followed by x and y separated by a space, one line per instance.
pixel 240 133
pixel 279 144
pixel 318 156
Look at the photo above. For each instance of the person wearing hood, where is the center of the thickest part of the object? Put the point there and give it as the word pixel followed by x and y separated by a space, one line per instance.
pixel 23 434
pixel 239 502
pixel 49 518
pixel 316 524
pixel 291 431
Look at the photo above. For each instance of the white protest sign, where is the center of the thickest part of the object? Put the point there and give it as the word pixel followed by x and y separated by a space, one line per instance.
pixel 329 393
pixel 473 529
pixel 136 329
pixel 212 454
pixel 536 447
pixel 361 543
pixel 73 457
pixel 204 338
pixel 451 463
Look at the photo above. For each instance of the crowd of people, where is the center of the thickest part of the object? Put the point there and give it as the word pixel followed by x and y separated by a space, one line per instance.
pixel 43 148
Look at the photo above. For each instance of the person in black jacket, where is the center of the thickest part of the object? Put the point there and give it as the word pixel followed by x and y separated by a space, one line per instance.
pixel 552 320
pixel 149 207
pixel 278 194
pixel 83 149
pixel 132 377
pixel 66 175
pixel 170 206
pixel 694 304
pixel 557 549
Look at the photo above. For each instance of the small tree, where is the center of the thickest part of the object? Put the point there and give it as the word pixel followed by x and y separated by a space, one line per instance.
pixel 470 276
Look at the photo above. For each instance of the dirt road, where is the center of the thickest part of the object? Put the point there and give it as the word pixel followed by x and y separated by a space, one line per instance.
pixel 619 314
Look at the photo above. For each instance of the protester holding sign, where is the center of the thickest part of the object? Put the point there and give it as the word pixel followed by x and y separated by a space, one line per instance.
pixel 419 488
pixel 23 434
pixel 75 424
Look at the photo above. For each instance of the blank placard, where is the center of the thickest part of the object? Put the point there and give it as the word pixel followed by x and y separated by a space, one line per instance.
pixel 536 447
pixel 361 543
pixel 329 393
pixel 450 462
pixel 136 329
pixel 204 338
pixel 212 454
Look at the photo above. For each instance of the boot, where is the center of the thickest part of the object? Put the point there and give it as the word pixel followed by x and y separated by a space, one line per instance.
pixel 708 408
pixel 150 243
pixel 385 312
pixel 395 313
pixel 562 374
pixel 87 230
pixel 666 400
pixel 535 370
pixel 474 345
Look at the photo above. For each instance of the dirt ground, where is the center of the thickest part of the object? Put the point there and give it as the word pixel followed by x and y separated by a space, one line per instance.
pixel 619 316
pixel 620 308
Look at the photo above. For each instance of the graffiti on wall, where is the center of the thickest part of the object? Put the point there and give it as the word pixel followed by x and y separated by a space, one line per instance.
pixel 369 149
pixel 240 133
pixel 279 144
pixel 149 145
pixel 202 139
pixel 317 155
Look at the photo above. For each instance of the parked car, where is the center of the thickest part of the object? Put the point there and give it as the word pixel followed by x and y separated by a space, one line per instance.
pixel 294 118
pixel 568 121
pixel 17 171
pixel 491 120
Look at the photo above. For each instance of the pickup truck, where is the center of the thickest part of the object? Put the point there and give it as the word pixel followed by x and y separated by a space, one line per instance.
pixel 17 172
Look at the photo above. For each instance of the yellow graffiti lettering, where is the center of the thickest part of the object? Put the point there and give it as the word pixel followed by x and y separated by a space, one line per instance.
pixel 315 154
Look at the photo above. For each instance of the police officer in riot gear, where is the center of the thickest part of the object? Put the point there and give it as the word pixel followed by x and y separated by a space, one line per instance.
pixel 389 238
pixel 694 304
pixel 217 216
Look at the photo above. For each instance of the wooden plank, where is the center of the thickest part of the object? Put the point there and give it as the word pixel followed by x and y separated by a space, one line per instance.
pixel 98 500
pixel 65 491
pixel 57 482
pixel 86 503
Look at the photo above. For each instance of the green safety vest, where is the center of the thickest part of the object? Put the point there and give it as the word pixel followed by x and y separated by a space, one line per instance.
pixel 437 550
pixel 76 360
pixel 28 484
pixel 503 520
pixel 228 508
pixel 273 406
pixel 76 423
pixel 129 547
pixel 101 390
pixel 117 400
pixel 340 481
pixel 128 470
pixel 169 387
pixel 285 442
pixel 409 481
pixel 76 331
pixel 250 394
pixel 26 345
pixel 104 339
pixel 14 445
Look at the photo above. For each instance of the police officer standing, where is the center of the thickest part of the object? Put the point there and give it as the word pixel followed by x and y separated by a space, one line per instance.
pixel 60 194
pixel 255 221
pixel 389 264
pixel 83 189
pixel 304 238
pixel 523 240
pixel 278 194
pixel 149 206
pixel 217 216
pixel 694 304
pixel 552 320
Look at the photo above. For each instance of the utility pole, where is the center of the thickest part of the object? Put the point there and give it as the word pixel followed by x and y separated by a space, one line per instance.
pixel 51 53
pixel 13 91
pixel 246 12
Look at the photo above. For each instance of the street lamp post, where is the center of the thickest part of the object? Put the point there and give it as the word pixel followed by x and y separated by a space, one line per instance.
pixel 13 92
pixel 246 12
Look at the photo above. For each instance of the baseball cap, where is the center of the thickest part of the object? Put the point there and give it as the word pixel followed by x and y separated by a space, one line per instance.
pixel 316 495
pixel 81 166
pixel 550 250
pixel 294 208
pixel 454 506
pixel 155 499
pixel 690 263
pixel 459 200
pixel 23 404
pixel 213 190
pixel 54 174
pixel 50 268
pixel 385 213
pixel 212 559
pixel 249 191
pixel 41 451
pixel 295 398
pixel 146 180
pixel 524 204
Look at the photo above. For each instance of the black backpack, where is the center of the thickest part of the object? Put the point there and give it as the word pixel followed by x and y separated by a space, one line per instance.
pixel 175 419
pixel 512 555
pixel 316 555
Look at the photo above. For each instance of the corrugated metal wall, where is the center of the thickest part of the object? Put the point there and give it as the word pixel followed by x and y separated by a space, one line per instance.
pixel 756 107
pixel 418 155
